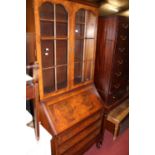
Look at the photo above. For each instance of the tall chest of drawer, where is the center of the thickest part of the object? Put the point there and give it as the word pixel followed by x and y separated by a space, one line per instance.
pixel 112 60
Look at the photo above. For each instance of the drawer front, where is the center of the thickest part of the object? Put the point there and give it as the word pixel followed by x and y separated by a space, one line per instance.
pixel 123 35
pixel 119 80
pixel 119 64
pixel 80 136
pixel 123 38
pixel 124 24
pixel 115 96
pixel 120 73
pixel 122 50
pixel 75 130
pixel 82 145
pixel 120 67
pixel 124 29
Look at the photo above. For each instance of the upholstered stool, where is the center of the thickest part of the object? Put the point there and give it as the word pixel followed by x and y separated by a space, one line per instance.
pixel 117 115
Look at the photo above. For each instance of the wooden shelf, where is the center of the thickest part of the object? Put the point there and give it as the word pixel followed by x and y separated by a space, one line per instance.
pixel 46 20
pixel 52 20
pixel 80 38
pixel 54 38
pixel 63 65
pixel 46 68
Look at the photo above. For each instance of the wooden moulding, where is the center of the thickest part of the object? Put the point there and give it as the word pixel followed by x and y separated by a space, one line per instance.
pixel 87 3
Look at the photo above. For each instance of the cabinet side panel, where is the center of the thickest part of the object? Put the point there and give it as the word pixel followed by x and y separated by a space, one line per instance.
pixel 30 35
pixel 105 48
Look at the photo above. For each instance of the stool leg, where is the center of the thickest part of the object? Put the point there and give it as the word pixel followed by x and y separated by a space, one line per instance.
pixel 116 131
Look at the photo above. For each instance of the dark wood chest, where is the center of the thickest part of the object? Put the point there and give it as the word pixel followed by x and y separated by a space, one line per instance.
pixel 112 60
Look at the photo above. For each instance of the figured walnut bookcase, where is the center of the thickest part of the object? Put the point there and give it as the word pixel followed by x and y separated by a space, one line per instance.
pixel 70 107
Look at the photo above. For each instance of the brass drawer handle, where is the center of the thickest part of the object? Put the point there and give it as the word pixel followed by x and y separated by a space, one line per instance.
pixel 117 86
pixel 125 26
pixel 121 49
pixel 120 62
pixel 123 37
pixel 114 97
pixel 118 74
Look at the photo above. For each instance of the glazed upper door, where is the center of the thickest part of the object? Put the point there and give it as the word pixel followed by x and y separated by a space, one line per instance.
pixel 65 42
pixel 54 46
pixel 85 42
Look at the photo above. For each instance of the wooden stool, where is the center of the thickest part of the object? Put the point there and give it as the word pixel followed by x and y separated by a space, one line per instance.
pixel 117 115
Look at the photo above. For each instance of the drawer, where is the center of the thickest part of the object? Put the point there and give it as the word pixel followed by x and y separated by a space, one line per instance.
pixel 119 80
pixel 75 130
pixel 118 63
pixel 115 96
pixel 116 85
pixel 83 144
pixel 124 24
pixel 124 28
pixel 80 136
pixel 122 50
pixel 123 38
pixel 120 59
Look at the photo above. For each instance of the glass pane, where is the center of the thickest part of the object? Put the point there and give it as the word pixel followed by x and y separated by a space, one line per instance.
pixel 47 11
pixel 61 29
pixel 80 16
pixel 61 13
pixel 61 77
pixel 79 50
pixel 48 80
pixel 47 28
pixel 77 73
pixel 61 52
pixel 89 49
pixel 47 48
pixel 88 70
pixel 79 44
pixel 79 31
pixel 91 25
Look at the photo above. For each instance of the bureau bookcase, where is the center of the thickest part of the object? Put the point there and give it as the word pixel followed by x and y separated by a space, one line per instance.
pixel 70 107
